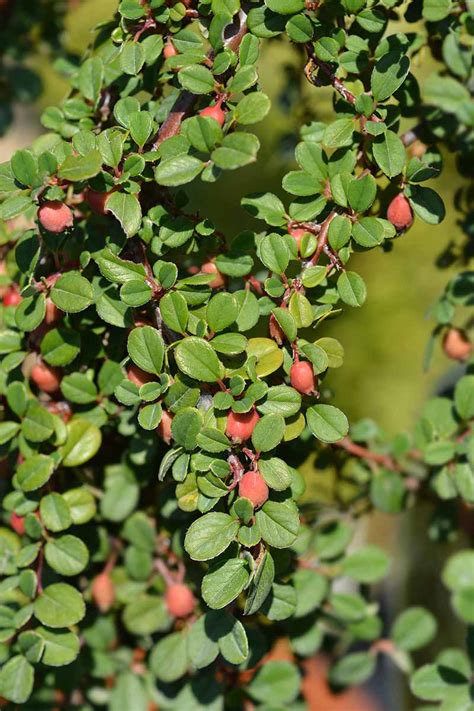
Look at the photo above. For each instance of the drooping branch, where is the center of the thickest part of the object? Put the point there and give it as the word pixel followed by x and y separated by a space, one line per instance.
pixel 186 100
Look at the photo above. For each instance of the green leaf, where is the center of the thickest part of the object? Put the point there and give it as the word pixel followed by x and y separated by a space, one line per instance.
pixel 413 628
pixel 91 77
pixel 389 74
pixel 60 346
pixel 38 423
pixel 339 133
pixel 127 210
pixel 351 288
pixel 116 269
pixel 146 348
pixel 82 443
pixel 224 582
pixel 222 311
pixel 268 432
pixel 77 168
pixel 311 589
pixel 210 535
pixel 427 204
pixel 196 358
pixel 67 555
pixel 233 644
pixel 55 512
pixel 72 293
pixel 186 425
pixel 361 193
pixel 169 657
pixel 276 473
pixel 196 79
pixel 24 165
pixel 136 292
pixel 327 423
pixel 59 605
pixel 34 472
pixel 8 430
pixel 141 125
pixel 265 206
pixel 368 232
pixel 252 108
pixel 77 387
pixel 132 58
pixel 352 669
pixel 458 573
pixel 275 683
pixel 261 584
pixel 146 614
pixel 389 153
pixel 278 523
pixel 366 565
pixel 275 252
pixel 60 648
pixel 16 680
pixel 178 170
pixel 237 150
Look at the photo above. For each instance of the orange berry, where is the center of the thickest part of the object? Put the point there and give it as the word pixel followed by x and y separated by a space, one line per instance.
pixel 180 600
pixel 164 428
pixel 456 344
pixel 214 112
pixel 210 268
pixel 98 201
pixel 46 377
pixel 103 591
pixel 12 297
pixel 17 523
pixel 138 376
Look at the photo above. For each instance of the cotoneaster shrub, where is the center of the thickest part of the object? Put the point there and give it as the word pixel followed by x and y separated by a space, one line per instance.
pixel 158 376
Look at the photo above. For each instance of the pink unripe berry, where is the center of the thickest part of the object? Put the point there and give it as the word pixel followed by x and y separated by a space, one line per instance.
pixel 240 425
pixel 210 268
pixel 103 591
pixel 302 377
pixel 55 216
pixel 399 212
pixel 456 344
pixel 46 377
pixel 214 112
pixel 12 297
pixel 179 600
pixel 297 233
pixel 17 523
pixel 252 486
pixel 164 428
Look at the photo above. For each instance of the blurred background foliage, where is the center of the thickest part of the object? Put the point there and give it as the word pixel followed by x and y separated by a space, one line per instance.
pixel 382 377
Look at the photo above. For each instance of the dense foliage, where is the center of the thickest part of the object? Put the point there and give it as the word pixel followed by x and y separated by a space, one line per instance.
pixel 160 380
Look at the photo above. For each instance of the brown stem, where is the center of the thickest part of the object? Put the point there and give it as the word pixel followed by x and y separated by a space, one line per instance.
pixel 186 100
pixel 323 237
pixel 358 451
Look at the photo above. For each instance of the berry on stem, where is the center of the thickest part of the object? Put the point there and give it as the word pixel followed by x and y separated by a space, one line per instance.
pixel 302 377
pixel 456 344
pixel 12 297
pixel 52 313
pixel 169 50
pixel 138 376
pixel 103 591
pixel 240 425
pixel 55 216
pixel 210 268
pixel 164 428
pixel 46 377
pixel 17 523
pixel 179 600
pixel 399 212
pixel 215 112
pixel 297 233
pixel 253 487
pixel 98 201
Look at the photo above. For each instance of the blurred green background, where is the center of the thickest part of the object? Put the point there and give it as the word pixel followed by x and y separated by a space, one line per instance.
pixel 382 377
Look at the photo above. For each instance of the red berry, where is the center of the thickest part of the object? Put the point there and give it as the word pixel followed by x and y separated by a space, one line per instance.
pixel 138 376
pixel 214 112
pixel 179 600
pixel 302 377
pixel 164 428
pixel 297 233
pixel 103 591
pixel 46 377
pixel 52 313
pixel 12 297
pixel 399 212
pixel 456 344
pixel 252 486
pixel 98 201
pixel 240 425
pixel 55 216
pixel 17 523
pixel 169 50
pixel 210 268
